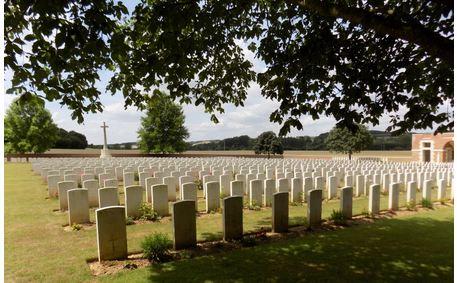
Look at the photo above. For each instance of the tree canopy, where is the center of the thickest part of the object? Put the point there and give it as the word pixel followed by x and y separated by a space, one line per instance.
pixel 70 139
pixel 346 141
pixel 29 127
pixel 162 129
pixel 268 143
pixel 353 60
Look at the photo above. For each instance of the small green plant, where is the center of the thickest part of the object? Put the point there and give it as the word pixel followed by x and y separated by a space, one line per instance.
pixel 199 184
pixel 253 206
pixel 147 213
pixel 426 203
pixel 411 205
pixel 129 221
pixel 156 247
pixel 294 203
pixel 76 227
pixel 337 217
pixel 366 213
pixel 215 210
pixel 136 177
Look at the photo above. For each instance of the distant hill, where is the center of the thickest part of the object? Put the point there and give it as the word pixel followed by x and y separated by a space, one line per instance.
pixel 381 141
pixel 194 143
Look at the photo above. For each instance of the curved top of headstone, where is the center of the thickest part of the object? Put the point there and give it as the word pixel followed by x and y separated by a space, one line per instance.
pixel 76 190
pixel 111 188
pixel 189 184
pixel 184 203
pixel 233 198
pixel 109 208
pixel 133 187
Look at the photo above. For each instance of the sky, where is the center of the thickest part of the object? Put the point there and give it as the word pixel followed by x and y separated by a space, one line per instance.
pixel 251 120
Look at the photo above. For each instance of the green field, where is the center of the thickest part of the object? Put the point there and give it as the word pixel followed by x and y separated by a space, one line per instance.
pixel 413 248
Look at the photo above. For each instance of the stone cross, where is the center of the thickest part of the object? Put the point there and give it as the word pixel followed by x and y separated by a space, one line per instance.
pixel 105 151
pixel 105 145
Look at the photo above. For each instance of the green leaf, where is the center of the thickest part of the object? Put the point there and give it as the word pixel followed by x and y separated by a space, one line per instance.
pixel 30 37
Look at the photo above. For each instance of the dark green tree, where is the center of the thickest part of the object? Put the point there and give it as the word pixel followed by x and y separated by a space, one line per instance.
pixel 236 143
pixel 268 143
pixel 162 129
pixel 29 127
pixel 70 139
pixel 353 60
pixel 346 141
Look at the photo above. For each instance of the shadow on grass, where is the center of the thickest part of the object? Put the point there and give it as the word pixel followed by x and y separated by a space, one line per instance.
pixel 207 236
pixel 297 220
pixel 413 249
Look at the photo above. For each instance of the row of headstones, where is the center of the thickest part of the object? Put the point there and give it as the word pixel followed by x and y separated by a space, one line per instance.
pixel 256 188
pixel 270 173
pixel 128 177
pixel 112 232
pixel 261 165
pixel 124 160
pixel 361 182
pixel 227 175
pixel 78 201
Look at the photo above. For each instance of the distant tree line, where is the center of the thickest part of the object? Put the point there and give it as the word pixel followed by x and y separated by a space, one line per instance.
pixel 125 145
pixel 381 141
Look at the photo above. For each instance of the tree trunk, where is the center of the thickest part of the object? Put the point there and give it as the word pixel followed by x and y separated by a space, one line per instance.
pixel 350 155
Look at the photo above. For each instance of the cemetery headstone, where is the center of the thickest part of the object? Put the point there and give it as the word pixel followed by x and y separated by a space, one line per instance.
pixel 78 206
pixel 111 233
pixel 63 188
pixel 133 200
pixel 107 197
pixel 314 208
pixel 160 199
pixel 184 224
pixel 232 218
pixel 374 198
pixel 280 211
pixel 346 202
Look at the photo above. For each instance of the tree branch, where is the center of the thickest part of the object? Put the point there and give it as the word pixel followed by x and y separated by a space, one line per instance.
pixel 432 42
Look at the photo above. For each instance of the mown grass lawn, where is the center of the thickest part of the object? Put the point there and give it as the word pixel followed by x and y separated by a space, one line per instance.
pixel 413 248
